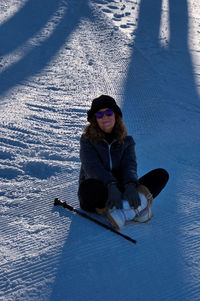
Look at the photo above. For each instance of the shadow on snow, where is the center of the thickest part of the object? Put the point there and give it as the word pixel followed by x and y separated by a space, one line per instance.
pixel 24 25
pixel 160 77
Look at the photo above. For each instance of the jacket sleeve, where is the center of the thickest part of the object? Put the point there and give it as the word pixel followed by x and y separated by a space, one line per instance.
pixel 91 163
pixel 129 163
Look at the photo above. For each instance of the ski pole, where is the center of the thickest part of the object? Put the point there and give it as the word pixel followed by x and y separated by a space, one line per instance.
pixel 58 202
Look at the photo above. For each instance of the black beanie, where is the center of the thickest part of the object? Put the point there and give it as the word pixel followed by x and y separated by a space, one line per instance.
pixel 101 102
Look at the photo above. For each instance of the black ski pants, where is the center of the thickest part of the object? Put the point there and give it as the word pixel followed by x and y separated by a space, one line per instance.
pixel 94 194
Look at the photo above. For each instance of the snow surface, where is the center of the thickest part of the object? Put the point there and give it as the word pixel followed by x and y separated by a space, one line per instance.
pixel 55 56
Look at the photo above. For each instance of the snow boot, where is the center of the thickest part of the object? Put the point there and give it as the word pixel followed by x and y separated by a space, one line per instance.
pixel 144 213
pixel 119 217
pixel 145 191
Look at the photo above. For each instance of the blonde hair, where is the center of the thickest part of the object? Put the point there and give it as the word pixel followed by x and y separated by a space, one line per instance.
pixel 93 132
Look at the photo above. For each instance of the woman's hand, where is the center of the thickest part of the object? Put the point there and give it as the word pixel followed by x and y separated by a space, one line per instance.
pixel 131 195
pixel 114 196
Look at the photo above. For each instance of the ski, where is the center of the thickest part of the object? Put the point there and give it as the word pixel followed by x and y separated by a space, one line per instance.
pixel 64 204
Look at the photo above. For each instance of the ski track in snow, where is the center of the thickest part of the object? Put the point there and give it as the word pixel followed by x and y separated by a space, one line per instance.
pixel 53 62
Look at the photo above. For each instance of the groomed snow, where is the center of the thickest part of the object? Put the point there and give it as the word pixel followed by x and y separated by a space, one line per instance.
pixel 55 57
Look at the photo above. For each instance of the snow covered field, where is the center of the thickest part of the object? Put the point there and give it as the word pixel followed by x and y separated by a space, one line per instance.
pixel 55 57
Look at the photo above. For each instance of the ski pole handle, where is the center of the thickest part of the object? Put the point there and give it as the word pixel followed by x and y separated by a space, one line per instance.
pixel 58 202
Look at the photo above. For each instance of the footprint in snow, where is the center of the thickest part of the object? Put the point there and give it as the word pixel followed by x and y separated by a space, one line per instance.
pixel 9 173
pixel 40 170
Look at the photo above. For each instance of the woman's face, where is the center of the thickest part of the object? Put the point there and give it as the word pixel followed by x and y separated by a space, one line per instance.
pixel 106 123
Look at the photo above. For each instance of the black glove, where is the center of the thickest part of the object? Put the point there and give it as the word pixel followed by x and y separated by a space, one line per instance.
pixel 114 196
pixel 131 195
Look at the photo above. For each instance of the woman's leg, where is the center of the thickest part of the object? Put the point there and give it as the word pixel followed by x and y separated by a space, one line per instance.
pixel 92 194
pixel 155 180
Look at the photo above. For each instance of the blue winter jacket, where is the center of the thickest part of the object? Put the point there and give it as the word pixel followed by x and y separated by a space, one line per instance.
pixel 108 162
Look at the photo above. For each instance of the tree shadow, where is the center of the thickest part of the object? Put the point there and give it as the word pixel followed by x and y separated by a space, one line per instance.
pixel 26 23
pixel 159 76
pixel 161 105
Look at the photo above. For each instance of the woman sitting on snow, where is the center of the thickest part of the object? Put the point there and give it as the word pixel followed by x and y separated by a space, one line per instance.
pixel 108 180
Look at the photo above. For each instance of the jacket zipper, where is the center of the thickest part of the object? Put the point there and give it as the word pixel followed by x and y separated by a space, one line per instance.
pixel 110 158
pixel 109 153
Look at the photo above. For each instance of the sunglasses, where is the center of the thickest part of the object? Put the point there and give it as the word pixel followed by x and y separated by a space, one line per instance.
pixel 100 115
